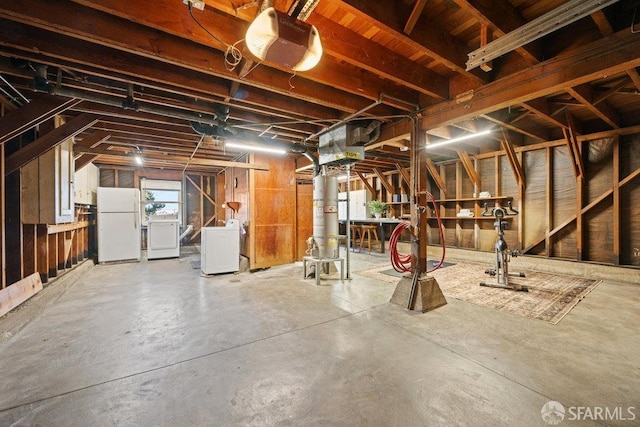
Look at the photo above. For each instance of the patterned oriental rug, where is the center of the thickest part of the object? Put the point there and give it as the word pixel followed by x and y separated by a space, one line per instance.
pixel 550 296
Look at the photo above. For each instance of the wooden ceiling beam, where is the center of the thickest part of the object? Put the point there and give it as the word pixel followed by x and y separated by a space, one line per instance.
pixel 516 167
pixel 404 173
pixel 48 141
pixel 603 24
pixel 542 108
pixel 504 18
pixel 531 130
pixel 349 46
pixel 18 121
pixel 467 163
pixel 574 147
pixel 635 77
pixel 175 159
pixel 361 52
pixel 366 183
pixel 173 18
pixel 85 57
pixel 430 39
pixel 612 55
pixel 437 178
pixel 129 37
pixel 90 141
pixel 584 94
pixel 383 180
pixel 416 11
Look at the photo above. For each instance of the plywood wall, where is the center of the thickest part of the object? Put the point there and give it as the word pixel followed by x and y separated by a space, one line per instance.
pixel 304 217
pixel 272 224
pixel 604 227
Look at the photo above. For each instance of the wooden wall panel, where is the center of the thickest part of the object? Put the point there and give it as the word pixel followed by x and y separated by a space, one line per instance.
pixel 304 217
pixel 597 223
pixel 508 187
pixel 534 196
pixel 272 221
pixel 630 201
pixel 107 177
pixel 450 234
pixel 127 179
pixel 598 234
pixel 450 179
pixel 466 234
pixel 630 224
pixel 467 184
pixel 487 236
pixel 487 171
pixel 564 204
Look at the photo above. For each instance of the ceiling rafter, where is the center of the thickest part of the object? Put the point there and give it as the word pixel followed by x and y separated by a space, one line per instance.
pixel 604 110
pixel 503 18
pixel 431 40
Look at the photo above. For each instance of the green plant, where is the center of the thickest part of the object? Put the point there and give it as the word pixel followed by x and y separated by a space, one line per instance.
pixel 377 207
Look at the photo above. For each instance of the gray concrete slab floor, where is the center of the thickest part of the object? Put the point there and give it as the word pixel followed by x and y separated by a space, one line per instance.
pixel 155 343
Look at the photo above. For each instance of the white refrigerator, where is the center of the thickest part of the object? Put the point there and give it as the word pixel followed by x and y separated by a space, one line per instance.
pixel 119 224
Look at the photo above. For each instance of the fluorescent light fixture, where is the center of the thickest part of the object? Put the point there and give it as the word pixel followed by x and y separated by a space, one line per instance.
pixel 255 148
pixel 304 168
pixel 458 139
pixel 539 27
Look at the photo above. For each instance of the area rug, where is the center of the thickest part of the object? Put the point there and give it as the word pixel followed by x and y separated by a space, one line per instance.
pixel 550 296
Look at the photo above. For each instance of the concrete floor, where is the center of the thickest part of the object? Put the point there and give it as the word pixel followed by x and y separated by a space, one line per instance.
pixel 154 343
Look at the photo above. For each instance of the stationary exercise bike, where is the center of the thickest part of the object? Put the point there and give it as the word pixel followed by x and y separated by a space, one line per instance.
pixel 503 254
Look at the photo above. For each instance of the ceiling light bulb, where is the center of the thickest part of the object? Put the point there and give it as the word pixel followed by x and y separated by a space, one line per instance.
pixel 138 158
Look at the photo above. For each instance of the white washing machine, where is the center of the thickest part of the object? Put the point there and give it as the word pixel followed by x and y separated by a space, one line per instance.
pixel 163 237
pixel 220 248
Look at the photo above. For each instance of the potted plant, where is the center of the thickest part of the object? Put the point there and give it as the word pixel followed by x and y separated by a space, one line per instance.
pixel 377 208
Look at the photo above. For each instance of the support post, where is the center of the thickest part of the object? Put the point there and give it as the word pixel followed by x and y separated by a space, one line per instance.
pixel 420 292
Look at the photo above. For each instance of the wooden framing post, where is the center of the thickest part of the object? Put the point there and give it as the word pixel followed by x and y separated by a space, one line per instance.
pixel 616 200
pixel 549 203
pixel 42 243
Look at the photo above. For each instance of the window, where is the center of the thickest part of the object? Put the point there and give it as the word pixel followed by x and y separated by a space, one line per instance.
pixel 161 198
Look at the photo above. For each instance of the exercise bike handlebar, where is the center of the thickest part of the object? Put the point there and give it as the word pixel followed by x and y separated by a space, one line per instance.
pixel 506 211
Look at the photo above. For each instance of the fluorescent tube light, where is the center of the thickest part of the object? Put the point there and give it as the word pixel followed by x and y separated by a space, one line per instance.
pixel 458 139
pixel 539 27
pixel 255 148
pixel 304 168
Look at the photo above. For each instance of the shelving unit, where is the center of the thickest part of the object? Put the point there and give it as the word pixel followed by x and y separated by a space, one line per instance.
pixel 465 231
pixel 464 203
pixel 399 209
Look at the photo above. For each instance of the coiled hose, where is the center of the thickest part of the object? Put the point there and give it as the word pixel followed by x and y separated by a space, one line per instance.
pixel 402 262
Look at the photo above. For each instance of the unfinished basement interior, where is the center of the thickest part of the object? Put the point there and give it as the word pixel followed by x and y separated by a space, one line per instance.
pixel 320 212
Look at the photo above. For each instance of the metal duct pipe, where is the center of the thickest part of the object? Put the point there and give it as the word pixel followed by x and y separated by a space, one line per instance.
pixel 194 118
pixel 346 119
pixel 118 102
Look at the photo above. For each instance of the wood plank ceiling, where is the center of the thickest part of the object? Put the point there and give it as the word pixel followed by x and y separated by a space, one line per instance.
pixel 147 70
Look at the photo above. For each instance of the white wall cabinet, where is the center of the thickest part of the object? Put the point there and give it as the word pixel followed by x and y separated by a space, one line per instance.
pixel 358 205
pixel 85 185
pixel 47 187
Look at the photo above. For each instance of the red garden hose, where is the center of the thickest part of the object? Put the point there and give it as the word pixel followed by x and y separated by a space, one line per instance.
pixel 402 262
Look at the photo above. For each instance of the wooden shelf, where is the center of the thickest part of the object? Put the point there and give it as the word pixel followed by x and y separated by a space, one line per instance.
pixel 475 199
pixel 465 218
